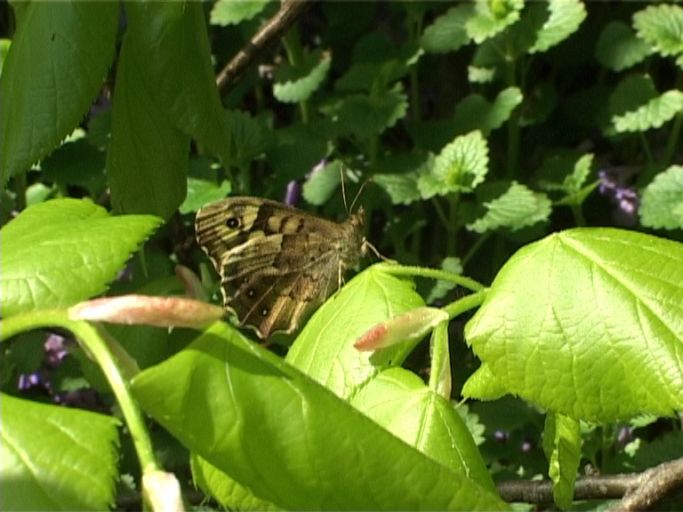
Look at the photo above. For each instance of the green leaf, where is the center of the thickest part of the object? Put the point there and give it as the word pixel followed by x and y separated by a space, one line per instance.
pixel 76 163
pixel 401 402
pixel 161 99
pixel 146 150
pixel 661 206
pixel 232 12
pixel 297 149
pixel 324 348
pixel 224 489
pixel 618 48
pixel 562 447
pixel 475 113
pixel 447 33
pixel 63 251
pixel 4 50
pixel 654 114
pixel 631 93
pixel 575 181
pixel 364 115
pixel 72 467
pixel 402 188
pixel 491 17
pixel 297 84
pixel 55 67
pixel 201 192
pixel 323 182
pixel 460 167
pixel 565 18
pixel 480 75
pixel 597 332
pixel 289 440
pixel 661 26
pixel 249 137
pixel 441 288
pixel 181 77
pixel 517 208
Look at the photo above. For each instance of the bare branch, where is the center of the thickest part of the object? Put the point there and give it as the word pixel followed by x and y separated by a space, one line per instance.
pixel 588 488
pixel 271 32
pixel 654 484
pixel 637 491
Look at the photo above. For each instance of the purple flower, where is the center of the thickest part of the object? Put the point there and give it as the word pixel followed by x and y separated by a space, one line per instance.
pixel 613 184
pixel 293 193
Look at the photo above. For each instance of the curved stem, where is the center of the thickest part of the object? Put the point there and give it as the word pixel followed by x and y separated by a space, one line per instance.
pixel 97 348
pixel 414 271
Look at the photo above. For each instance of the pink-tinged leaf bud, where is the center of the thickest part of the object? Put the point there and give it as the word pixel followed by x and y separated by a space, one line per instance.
pixel 409 326
pixel 147 310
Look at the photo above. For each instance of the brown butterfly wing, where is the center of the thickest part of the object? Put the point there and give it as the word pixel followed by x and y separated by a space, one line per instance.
pixel 277 264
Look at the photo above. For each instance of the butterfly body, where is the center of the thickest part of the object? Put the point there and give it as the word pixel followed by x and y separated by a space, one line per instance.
pixel 277 264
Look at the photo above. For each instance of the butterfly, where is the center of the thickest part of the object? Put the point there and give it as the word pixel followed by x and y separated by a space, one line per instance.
pixel 277 264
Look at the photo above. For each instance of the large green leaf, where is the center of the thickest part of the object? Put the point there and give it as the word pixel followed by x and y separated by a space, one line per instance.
pixel 63 251
pixel 55 67
pixel 55 458
pixel 324 348
pixel 587 323
pixel 289 440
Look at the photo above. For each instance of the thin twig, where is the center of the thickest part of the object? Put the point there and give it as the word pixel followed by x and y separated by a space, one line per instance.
pixel 272 31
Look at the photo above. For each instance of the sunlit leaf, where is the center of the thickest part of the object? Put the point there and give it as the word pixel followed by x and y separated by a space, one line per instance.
pixel 662 27
pixel 661 206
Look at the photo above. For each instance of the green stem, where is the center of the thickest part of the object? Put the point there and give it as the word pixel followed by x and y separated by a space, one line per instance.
pixel 440 213
pixel 475 247
pixel 415 28
pixel 452 228
pixel 295 56
pixel 673 142
pixel 440 380
pixel 513 130
pixel 466 303
pixel 96 346
pixel 432 273
pixel 578 215
pixel 648 152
